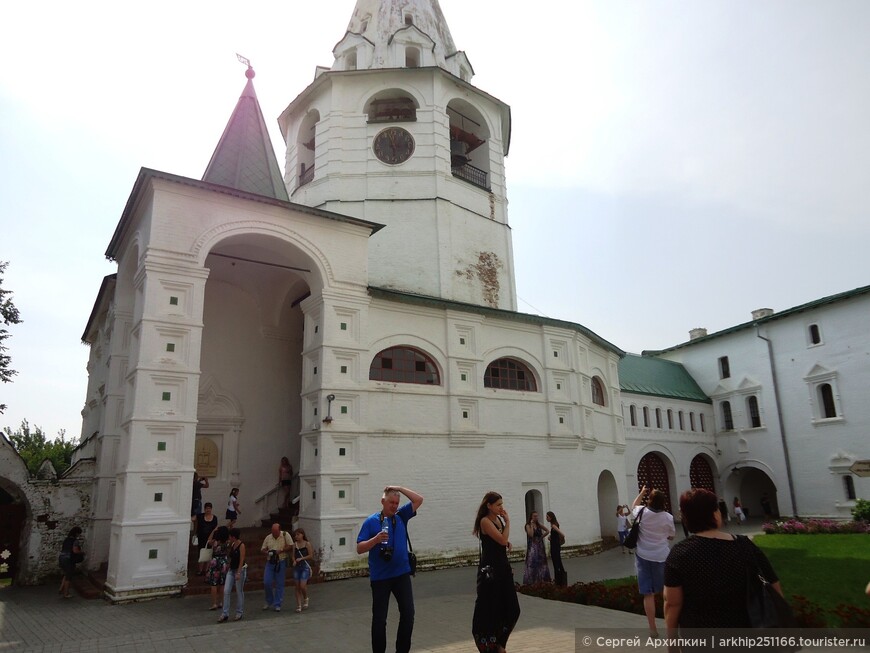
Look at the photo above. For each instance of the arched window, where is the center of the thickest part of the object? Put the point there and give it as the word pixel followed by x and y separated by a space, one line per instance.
pixel 598 392
pixel 646 416
pixel 509 374
pixel 692 421
pixel 727 420
pixel 682 426
pixel 703 426
pixel 752 411
pixel 670 419
pixel 404 365
pixel 632 415
pixel 826 393
pixel 350 60
pixel 658 418
pixel 412 57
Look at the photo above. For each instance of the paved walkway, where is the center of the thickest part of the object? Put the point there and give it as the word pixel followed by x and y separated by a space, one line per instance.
pixel 36 619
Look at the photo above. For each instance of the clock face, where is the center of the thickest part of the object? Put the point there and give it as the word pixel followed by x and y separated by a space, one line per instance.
pixel 393 145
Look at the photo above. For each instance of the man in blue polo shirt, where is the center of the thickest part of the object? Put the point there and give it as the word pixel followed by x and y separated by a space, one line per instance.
pixel 384 537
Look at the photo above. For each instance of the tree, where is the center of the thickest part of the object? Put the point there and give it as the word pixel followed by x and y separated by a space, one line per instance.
pixel 33 447
pixel 8 315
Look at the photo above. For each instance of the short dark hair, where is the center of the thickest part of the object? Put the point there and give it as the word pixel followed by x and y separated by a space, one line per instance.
pixel 208 505
pixel 699 507
pixel 236 533
pixel 657 500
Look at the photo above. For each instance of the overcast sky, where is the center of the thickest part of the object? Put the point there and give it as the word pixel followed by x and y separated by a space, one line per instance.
pixel 672 165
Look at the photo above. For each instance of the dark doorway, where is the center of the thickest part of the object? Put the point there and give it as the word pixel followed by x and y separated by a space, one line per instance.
pixel 652 472
pixel 12 517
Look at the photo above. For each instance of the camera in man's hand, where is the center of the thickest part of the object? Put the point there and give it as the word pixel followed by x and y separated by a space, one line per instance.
pixel 386 553
pixel 487 572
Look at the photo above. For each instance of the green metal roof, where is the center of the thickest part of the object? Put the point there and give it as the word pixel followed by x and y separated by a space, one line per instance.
pixel 658 378
pixel 816 303
pixel 527 318
pixel 244 158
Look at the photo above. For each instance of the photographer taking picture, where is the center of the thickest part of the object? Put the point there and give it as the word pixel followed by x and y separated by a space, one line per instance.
pixel 384 536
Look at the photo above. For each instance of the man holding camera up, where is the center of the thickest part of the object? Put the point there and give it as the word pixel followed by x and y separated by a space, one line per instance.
pixel 384 537
pixel 275 546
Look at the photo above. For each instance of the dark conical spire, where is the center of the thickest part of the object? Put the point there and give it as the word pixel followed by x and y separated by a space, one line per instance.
pixel 244 158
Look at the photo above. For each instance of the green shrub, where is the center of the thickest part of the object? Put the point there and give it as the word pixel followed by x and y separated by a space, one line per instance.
pixel 861 511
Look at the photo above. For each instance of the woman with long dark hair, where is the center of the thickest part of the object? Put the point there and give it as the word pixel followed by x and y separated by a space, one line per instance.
pixel 556 539
pixel 496 609
pixel 536 570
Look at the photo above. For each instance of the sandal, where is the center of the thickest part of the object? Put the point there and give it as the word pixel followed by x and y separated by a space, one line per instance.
pixel 298 608
pixel 223 619
pixel 214 607
pixel 305 605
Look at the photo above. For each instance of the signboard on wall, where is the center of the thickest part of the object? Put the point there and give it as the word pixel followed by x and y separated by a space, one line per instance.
pixel 860 468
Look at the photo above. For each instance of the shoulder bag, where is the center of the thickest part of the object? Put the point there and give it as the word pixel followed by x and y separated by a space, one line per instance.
pixel 765 606
pixel 412 557
pixel 630 542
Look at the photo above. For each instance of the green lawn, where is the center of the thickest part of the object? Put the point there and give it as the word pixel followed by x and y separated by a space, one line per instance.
pixel 826 569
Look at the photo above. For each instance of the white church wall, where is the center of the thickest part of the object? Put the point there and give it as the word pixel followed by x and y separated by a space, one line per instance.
pixel 820 450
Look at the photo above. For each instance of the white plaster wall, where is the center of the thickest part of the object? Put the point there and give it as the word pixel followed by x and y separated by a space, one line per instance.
pixel 820 451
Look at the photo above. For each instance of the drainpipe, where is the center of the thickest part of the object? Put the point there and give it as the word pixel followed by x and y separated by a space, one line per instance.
pixel 781 421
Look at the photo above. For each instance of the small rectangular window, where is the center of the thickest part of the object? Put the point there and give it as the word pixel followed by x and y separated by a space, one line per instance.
pixel 173 301
pixel 342 541
pixel 161 446
pixel 167 396
pixel 344 369
pixel 343 326
pixel 724 368
pixel 158 497
pixel 342 451
pixel 170 346
pixel 152 554
pixel 344 410
pixel 815 334
pixel 849 486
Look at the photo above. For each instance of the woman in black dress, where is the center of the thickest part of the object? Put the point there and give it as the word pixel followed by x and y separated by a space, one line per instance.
pixel 705 575
pixel 496 609
pixel 556 537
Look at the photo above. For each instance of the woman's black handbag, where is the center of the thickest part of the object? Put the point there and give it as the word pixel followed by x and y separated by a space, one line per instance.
pixel 765 606
pixel 630 542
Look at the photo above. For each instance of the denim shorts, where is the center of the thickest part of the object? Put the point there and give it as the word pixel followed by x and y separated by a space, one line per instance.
pixel 301 572
pixel 650 575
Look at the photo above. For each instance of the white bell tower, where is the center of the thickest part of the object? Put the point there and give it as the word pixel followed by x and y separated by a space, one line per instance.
pixel 394 132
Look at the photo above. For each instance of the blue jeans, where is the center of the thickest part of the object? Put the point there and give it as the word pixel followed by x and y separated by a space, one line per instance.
pixel 276 576
pixel 235 577
pixel 400 587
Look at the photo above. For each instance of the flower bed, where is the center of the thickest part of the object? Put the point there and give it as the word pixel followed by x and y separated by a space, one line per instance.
pixel 815 526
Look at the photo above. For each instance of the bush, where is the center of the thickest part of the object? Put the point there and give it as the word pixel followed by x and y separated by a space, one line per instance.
pixel 618 597
pixel 625 597
pixel 861 511
pixel 816 526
